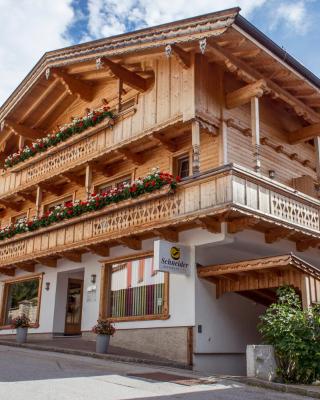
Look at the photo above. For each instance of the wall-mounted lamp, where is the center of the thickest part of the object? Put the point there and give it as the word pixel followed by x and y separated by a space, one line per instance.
pixel 272 173
pixel 93 278
pixel 47 286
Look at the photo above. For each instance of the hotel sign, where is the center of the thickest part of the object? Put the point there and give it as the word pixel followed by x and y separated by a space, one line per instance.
pixel 171 257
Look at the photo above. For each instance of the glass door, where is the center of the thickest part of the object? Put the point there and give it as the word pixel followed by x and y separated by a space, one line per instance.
pixel 74 307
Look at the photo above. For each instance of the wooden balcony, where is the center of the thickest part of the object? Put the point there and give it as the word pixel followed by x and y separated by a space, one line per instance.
pixel 228 194
pixel 95 145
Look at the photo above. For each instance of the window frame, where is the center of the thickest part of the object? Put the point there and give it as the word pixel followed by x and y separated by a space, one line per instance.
pixel 61 200
pixel 4 300
pixel 177 157
pixel 105 291
pixel 113 181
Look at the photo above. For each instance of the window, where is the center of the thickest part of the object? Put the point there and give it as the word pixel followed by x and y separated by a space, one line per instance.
pixel 19 218
pixel 137 292
pixel 22 297
pixel 114 184
pixel 51 206
pixel 183 166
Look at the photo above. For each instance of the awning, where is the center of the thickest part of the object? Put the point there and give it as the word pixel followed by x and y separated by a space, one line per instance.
pixel 258 278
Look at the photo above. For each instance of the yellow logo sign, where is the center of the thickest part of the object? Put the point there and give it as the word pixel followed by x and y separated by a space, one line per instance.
pixel 175 253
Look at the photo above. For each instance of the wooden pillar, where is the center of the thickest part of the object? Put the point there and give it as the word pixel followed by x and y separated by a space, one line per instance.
pixel 195 147
pixel 105 292
pixel 305 292
pixel 21 142
pixel 317 149
pixel 255 128
pixel 88 180
pixel 38 200
pixel 223 143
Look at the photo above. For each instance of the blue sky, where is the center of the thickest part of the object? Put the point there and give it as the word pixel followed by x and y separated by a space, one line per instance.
pixel 31 27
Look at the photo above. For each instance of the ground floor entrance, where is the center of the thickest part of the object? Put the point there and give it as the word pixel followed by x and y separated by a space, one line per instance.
pixel 74 307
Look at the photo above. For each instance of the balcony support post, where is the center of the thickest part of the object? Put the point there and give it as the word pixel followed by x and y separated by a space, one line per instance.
pixel 317 148
pixel 255 128
pixel 88 179
pixel 38 200
pixel 195 147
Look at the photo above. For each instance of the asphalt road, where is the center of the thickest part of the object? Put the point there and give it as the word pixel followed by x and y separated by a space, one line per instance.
pixel 35 375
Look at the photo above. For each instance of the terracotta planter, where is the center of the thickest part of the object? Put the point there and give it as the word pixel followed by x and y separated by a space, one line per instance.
pixel 21 336
pixel 102 344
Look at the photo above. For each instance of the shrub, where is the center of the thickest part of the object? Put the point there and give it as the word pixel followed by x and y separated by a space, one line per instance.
pixel 295 335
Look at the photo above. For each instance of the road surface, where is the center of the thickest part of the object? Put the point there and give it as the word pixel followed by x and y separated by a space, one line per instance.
pixel 34 375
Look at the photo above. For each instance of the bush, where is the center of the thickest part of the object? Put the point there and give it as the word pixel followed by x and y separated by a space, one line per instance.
pixel 295 335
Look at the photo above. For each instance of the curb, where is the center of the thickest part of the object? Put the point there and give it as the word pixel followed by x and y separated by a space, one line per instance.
pixel 109 357
pixel 279 387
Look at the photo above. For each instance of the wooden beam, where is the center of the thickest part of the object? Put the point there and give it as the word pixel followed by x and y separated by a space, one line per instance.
pixel 255 129
pixel 240 224
pixel 23 130
pixel 10 204
pixel 211 224
pixel 71 177
pixel 166 143
pixel 129 77
pixel 51 188
pixel 38 200
pixel 195 138
pixel 317 151
pixel 303 245
pixel 182 56
pixel 250 75
pixel 131 242
pixel 217 270
pixel 37 102
pixel 47 261
pixel 275 234
pixel 88 179
pixel 7 271
pixel 245 94
pixel 133 157
pixel 74 256
pixel 74 85
pixel 304 134
pixel 28 196
pixel 169 234
pixel 100 249
pixel 51 107
pixel 26 266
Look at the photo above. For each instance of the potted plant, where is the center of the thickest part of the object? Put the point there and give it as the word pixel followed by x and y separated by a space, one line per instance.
pixel 103 329
pixel 21 324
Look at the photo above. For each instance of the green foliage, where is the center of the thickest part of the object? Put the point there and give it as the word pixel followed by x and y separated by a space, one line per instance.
pixel 295 335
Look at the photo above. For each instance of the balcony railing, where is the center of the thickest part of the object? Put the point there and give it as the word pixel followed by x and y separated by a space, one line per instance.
pixel 93 143
pixel 228 188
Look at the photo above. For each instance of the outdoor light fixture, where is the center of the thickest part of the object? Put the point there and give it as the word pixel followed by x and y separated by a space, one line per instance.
pixel 47 286
pixel 272 173
pixel 93 278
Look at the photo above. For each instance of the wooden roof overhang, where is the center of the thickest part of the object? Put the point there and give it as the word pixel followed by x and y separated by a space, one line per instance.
pixel 63 76
pixel 258 278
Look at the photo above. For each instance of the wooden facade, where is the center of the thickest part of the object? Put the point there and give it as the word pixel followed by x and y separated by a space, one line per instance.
pixel 204 88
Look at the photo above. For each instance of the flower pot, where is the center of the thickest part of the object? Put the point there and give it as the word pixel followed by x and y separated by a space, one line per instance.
pixel 102 344
pixel 21 336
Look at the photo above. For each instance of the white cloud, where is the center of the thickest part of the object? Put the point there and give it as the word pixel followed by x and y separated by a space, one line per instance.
pixel 28 29
pixel 293 15
pixel 110 17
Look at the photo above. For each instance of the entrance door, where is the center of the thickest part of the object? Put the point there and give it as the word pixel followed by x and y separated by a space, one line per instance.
pixel 74 307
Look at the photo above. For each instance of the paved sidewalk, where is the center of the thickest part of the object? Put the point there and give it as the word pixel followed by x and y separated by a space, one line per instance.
pixel 84 347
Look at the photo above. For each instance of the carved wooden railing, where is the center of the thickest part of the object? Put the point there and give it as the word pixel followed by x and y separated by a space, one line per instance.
pixel 214 192
pixel 93 143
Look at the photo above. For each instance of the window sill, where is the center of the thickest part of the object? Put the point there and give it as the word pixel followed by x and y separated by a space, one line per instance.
pixel 9 327
pixel 140 318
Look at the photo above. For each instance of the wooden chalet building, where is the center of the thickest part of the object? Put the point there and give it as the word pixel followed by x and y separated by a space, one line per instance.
pixel 208 98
